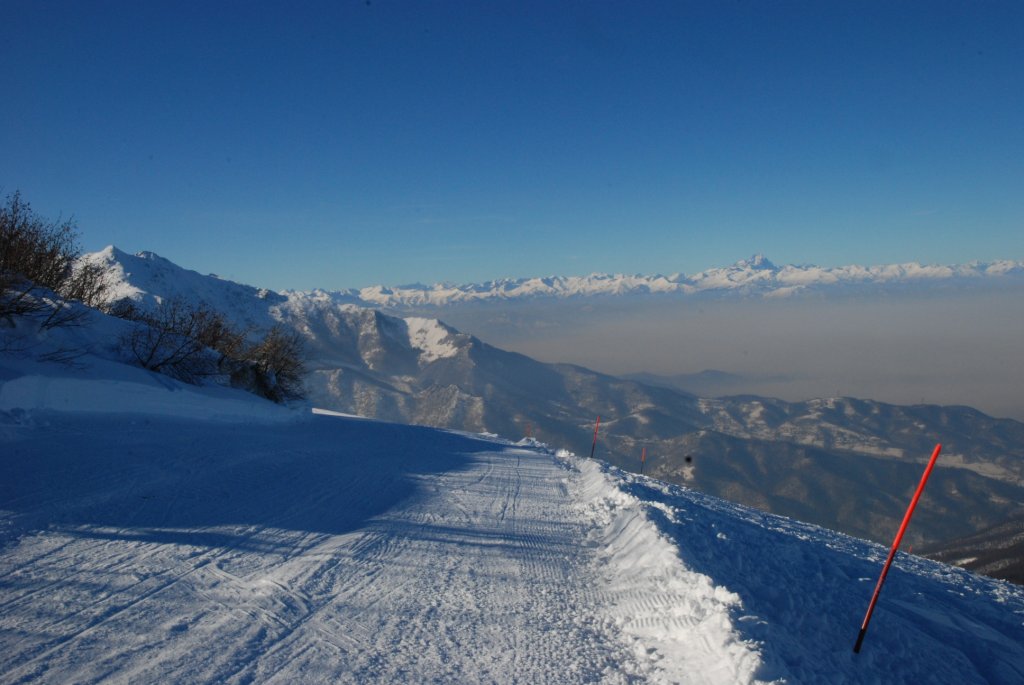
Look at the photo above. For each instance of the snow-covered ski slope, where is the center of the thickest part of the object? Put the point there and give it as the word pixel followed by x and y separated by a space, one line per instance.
pixel 143 545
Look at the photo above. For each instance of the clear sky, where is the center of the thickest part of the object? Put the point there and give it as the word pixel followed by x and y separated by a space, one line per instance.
pixel 343 144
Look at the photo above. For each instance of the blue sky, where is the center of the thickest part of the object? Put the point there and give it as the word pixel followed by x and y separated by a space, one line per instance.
pixel 343 144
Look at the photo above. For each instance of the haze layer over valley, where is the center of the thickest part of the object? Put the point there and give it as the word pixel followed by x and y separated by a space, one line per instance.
pixel 904 334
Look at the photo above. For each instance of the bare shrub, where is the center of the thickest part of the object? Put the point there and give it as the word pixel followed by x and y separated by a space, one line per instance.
pixel 86 284
pixel 168 340
pixel 194 342
pixel 37 267
pixel 277 367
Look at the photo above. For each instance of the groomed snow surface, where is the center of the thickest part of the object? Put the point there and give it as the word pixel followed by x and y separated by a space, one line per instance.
pixel 142 545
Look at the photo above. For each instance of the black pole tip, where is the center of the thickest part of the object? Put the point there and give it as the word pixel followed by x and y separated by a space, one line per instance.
pixel 860 641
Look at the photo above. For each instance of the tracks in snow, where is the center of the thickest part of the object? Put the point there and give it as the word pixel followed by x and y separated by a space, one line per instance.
pixel 501 565
pixel 475 579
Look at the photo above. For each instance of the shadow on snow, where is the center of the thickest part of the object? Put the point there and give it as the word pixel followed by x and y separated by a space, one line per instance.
pixel 799 582
pixel 210 484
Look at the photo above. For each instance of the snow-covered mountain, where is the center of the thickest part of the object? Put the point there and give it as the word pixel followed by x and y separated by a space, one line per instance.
pixel 847 464
pixel 336 333
pixel 755 276
pixel 153 532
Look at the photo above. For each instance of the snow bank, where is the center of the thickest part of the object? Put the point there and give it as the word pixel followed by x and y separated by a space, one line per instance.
pixel 674 618
pixel 802 592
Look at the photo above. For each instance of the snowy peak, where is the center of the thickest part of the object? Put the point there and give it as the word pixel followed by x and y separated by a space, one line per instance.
pixel 337 333
pixel 432 338
pixel 758 261
pixel 148 279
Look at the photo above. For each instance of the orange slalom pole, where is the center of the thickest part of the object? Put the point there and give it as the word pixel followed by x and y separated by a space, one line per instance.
pixel 895 546
pixel 643 458
pixel 596 426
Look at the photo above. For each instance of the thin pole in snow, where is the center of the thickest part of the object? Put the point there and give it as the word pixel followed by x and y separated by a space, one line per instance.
pixel 895 546
pixel 594 446
pixel 643 458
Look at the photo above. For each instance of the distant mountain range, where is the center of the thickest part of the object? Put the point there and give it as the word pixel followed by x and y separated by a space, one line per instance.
pixel 847 464
pixel 756 276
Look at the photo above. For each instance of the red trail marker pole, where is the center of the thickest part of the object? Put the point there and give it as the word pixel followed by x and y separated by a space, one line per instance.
pixel 643 458
pixel 895 546
pixel 594 446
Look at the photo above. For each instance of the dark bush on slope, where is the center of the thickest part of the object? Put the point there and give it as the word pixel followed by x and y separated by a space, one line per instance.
pixel 276 365
pixel 193 342
pixel 38 268
pixel 174 339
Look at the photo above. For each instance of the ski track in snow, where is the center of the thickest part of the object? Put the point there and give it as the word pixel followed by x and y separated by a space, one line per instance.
pixel 140 548
pixel 328 550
